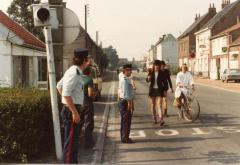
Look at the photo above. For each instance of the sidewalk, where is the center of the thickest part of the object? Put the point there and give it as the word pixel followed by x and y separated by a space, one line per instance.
pixel 231 86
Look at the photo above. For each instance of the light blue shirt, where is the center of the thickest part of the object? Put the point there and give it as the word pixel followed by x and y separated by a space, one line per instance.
pixel 72 85
pixel 125 89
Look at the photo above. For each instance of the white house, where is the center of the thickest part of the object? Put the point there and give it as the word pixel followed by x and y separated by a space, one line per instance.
pixel 151 57
pixel 202 52
pixel 22 56
pixel 206 62
pixel 167 50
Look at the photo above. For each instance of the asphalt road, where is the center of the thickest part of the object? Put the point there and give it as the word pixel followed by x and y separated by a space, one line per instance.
pixel 213 139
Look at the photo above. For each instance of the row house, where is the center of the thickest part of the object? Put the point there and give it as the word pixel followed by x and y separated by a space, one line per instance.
pixel 224 19
pixel 225 51
pixel 23 57
pixel 167 50
pixel 187 40
pixel 151 56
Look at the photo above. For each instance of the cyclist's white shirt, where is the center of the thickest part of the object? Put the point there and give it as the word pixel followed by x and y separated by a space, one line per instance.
pixel 184 79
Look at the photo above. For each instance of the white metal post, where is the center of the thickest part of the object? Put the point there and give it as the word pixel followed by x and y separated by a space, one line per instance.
pixel 53 91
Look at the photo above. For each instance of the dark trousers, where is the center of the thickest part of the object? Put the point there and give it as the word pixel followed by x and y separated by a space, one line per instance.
pixel 88 122
pixel 71 135
pixel 126 119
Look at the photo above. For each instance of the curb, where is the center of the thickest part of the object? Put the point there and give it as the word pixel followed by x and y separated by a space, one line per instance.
pixel 98 154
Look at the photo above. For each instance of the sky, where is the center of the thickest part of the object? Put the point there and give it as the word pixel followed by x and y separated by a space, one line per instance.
pixel 132 26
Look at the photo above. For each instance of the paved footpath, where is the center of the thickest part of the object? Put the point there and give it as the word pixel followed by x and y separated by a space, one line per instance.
pixel 231 86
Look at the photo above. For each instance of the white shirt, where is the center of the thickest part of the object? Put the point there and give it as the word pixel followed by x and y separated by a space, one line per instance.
pixel 155 86
pixel 72 85
pixel 184 79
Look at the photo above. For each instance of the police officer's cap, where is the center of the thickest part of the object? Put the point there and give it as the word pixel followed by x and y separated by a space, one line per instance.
pixel 81 53
pixel 127 66
pixel 157 62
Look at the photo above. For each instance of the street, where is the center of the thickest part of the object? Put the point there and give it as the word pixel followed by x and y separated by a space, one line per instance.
pixel 213 139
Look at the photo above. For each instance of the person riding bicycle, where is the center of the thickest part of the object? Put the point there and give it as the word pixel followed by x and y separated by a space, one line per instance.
pixel 184 80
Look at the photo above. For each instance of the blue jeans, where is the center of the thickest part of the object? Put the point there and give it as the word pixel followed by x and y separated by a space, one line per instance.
pixel 126 119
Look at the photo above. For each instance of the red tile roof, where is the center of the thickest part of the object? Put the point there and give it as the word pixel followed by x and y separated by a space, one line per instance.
pixel 28 38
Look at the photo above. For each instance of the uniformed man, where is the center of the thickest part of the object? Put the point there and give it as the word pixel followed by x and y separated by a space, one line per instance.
pixel 125 103
pixel 72 99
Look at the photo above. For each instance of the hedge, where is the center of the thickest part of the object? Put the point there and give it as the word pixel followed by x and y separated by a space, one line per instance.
pixel 26 128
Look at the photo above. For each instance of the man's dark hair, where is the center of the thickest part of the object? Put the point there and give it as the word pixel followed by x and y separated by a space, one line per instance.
pixel 87 71
pixel 79 61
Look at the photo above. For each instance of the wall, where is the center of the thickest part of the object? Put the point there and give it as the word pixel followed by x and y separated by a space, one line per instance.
pixel 202 52
pixel 5 62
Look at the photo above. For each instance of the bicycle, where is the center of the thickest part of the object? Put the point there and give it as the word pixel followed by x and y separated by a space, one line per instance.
pixel 189 106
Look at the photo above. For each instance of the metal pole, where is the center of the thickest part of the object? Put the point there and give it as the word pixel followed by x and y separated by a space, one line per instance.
pixel 86 26
pixel 53 91
pixel 97 36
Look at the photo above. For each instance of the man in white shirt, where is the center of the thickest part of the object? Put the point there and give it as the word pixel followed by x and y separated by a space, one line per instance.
pixel 184 80
pixel 72 99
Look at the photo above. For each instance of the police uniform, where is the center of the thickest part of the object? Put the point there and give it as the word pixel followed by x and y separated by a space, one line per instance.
pixel 72 85
pixel 125 95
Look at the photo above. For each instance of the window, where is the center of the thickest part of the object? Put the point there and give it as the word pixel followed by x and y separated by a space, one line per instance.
pixel 42 69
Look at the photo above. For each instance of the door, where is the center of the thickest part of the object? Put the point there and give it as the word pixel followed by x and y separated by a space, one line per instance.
pixel 218 64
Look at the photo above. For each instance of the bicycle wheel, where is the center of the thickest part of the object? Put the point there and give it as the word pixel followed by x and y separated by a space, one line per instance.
pixel 192 110
pixel 195 109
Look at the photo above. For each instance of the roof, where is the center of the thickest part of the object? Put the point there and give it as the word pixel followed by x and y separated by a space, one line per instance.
pixel 220 15
pixel 227 31
pixel 193 26
pixel 29 39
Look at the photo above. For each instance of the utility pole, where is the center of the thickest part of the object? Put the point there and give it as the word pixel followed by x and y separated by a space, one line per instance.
pixel 86 14
pixel 97 37
pixel 57 37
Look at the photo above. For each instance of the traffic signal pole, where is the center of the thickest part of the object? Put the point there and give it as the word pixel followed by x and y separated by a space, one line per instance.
pixel 53 91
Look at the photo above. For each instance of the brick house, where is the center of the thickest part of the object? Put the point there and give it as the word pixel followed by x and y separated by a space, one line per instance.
pixel 187 40
pixel 94 50
pixel 224 51
pixel 224 19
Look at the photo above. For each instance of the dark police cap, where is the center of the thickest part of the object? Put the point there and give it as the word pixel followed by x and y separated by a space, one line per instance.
pixel 157 62
pixel 81 53
pixel 126 66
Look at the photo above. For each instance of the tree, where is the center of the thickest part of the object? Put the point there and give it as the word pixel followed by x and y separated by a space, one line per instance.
pixel 21 12
pixel 112 56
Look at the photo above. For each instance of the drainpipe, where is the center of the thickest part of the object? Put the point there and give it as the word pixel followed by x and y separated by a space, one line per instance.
pixel 11 65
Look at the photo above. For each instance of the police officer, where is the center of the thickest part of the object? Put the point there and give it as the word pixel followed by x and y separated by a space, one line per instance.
pixel 125 103
pixel 72 99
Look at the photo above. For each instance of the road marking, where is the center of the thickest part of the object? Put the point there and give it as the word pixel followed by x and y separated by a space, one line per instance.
pixel 167 132
pixel 198 131
pixel 138 134
pixel 229 129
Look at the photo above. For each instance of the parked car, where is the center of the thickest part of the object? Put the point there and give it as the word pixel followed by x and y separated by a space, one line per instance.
pixel 97 82
pixel 231 75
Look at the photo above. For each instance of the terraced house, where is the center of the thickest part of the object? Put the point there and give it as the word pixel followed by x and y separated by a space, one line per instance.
pixel 206 62
pixel 187 40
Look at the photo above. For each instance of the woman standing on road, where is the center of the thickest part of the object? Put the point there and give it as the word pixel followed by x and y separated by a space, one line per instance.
pixel 156 91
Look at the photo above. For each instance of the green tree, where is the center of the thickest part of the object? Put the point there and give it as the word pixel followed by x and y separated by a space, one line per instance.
pixel 21 12
pixel 112 56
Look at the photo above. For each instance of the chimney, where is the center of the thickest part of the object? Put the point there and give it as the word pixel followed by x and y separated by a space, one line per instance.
pixel 196 17
pixel 163 36
pixel 212 9
pixel 225 3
